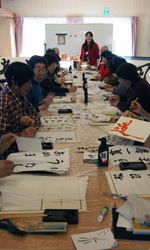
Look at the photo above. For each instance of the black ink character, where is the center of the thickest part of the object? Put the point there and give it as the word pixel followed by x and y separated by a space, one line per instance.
pixel 18 165
pixel 133 176
pixel 59 153
pixel 91 239
pixel 57 162
pixel 116 152
pixel 118 176
pixel 29 154
pixel 141 150
pixel 30 165
pixel 46 153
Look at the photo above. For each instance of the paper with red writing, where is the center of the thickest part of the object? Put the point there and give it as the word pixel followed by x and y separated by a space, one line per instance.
pixel 132 129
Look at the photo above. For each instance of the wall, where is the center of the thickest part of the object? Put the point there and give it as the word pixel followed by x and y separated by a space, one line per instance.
pixel 84 8
pixel 5 37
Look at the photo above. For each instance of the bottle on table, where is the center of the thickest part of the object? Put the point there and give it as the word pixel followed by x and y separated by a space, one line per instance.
pixel 103 153
pixel 85 91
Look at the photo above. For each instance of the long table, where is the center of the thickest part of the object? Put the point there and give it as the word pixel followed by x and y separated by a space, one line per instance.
pixel 95 200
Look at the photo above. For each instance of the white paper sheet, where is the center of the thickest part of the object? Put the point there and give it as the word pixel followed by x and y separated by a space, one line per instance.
pixel 72 106
pixel 127 153
pixel 130 128
pixel 124 222
pixel 127 182
pixel 102 239
pixel 58 123
pixel 56 161
pixel 29 144
pixel 57 136
pixel 24 158
pixel 25 191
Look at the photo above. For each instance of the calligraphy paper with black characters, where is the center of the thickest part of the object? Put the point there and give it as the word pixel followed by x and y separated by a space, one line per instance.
pixel 60 99
pixel 58 136
pixel 126 153
pixel 81 149
pixel 72 106
pixel 56 161
pixel 130 181
pixel 132 129
pixel 102 239
pixel 90 156
pixel 117 140
pixel 58 123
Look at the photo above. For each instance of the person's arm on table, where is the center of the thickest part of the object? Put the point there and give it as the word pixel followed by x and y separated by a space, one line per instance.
pixel 104 72
pixel 137 108
pixel 45 103
pixel 28 122
pixel 6 141
pixel 6 168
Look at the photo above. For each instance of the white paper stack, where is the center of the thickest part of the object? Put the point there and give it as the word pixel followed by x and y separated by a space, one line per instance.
pixel 24 193
pixel 54 161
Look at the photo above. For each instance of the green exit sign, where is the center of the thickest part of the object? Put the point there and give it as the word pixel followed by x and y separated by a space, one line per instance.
pixel 106 12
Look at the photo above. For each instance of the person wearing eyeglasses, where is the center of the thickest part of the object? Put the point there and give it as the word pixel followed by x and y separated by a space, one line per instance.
pixel 39 67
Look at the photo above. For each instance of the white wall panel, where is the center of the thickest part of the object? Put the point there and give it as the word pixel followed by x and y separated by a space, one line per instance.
pixel 75 36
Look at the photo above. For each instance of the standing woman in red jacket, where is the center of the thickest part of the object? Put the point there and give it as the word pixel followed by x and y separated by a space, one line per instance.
pixel 90 50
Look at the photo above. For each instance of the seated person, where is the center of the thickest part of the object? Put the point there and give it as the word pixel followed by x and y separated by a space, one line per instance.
pixel 137 87
pixel 6 166
pixel 48 84
pixel 60 68
pixel 106 56
pixel 121 89
pixel 141 114
pixel 104 71
pixel 56 52
pixel 59 77
pixel 34 95
pixel 102 49
pixel 56 77
pixel 17 115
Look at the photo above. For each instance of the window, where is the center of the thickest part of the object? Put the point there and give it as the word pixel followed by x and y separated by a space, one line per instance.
pixel 34 33
pixel 122 40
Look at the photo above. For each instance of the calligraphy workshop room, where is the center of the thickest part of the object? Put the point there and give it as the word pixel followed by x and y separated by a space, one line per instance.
pixel 74 124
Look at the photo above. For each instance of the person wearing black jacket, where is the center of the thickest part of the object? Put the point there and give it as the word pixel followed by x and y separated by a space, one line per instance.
pixel 48 84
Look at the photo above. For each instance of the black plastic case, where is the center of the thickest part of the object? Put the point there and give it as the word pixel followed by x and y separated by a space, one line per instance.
pixel 132 165
pixel 60 111
pixel 61 215
pixel 47 145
